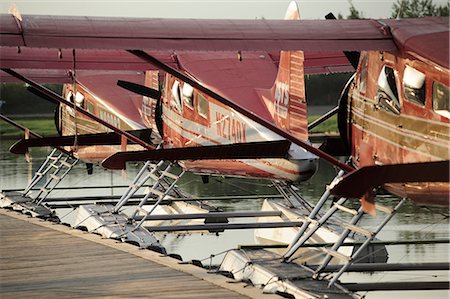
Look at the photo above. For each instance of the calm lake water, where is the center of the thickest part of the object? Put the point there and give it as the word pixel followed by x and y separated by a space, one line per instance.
pixel 411 223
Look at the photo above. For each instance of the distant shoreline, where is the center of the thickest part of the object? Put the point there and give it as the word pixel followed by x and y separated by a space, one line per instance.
pixel 44 124
pixel 31 116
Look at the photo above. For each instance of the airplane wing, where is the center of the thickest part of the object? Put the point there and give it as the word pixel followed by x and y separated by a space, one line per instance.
pixel 86 59
pixel 360 182
pixel 63 32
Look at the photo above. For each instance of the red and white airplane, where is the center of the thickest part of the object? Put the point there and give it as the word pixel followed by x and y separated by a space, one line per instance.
pixel 218 98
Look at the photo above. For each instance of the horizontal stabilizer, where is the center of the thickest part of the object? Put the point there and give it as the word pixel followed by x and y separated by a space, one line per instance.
pixel 252 150
pixel 359 182
pixel 21 146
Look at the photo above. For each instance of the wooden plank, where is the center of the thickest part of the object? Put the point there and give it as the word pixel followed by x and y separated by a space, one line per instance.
pixel 37 262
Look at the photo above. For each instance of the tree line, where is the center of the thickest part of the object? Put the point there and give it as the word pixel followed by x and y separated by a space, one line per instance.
pixel 16 99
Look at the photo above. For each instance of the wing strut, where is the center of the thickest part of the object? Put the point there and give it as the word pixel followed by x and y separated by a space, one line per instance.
pixel 54 97
pixel 330 159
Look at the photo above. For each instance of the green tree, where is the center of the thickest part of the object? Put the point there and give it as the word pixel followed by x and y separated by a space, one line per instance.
pixel 418 8
pixel 16 99
pixel 354 13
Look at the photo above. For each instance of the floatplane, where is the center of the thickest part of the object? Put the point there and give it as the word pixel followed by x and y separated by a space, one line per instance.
pixel 234 113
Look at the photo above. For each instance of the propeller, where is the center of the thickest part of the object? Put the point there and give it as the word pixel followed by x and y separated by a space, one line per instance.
pixel 140 89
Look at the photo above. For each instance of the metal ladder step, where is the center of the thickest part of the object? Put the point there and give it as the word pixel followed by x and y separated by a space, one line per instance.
pixel 66 164
pixel 345 209
pixel 367 242
pixel 169 174
pixel 54 165
pixel 358 229
pixel 156 192
pixel 55 177
pixel 384 209
pixel 336 254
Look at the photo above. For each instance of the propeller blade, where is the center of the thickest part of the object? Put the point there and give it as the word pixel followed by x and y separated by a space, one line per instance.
pixel 22 145
pixel 361 182
pixel 140 89
pixel 252 150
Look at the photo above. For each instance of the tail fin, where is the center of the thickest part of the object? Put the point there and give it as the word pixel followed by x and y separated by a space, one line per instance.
pixel 288 90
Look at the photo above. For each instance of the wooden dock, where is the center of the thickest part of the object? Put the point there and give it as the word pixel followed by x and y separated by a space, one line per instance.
pixel 40 259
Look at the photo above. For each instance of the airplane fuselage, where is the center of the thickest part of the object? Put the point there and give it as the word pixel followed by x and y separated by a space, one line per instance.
pixel 398 112
pixel 191 118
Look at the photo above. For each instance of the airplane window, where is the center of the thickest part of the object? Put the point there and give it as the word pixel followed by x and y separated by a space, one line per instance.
pixel 188 95
pixel 202 106
pixel 387 90
pixel 89 107
pixel 441 102
pixel 176 98
pixel 414 85
pixel 69 96
pixel 79 99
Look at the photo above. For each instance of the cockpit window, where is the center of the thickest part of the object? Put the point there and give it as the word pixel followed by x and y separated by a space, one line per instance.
pixel 175 100
pixel 387 90
pixel 90 107
pixel 188 95
pixel 69 96
pixel 202 106
pixel 414 85
pixel 441 99
pixel 79 99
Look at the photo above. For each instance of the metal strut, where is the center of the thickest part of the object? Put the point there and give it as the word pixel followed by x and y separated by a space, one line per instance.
pixel 61 164
pixel 315 221
pixel 164 183
pixel 298 241
pixel 354 256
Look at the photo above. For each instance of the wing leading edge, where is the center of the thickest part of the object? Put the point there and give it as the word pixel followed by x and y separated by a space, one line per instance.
pixel 193 35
